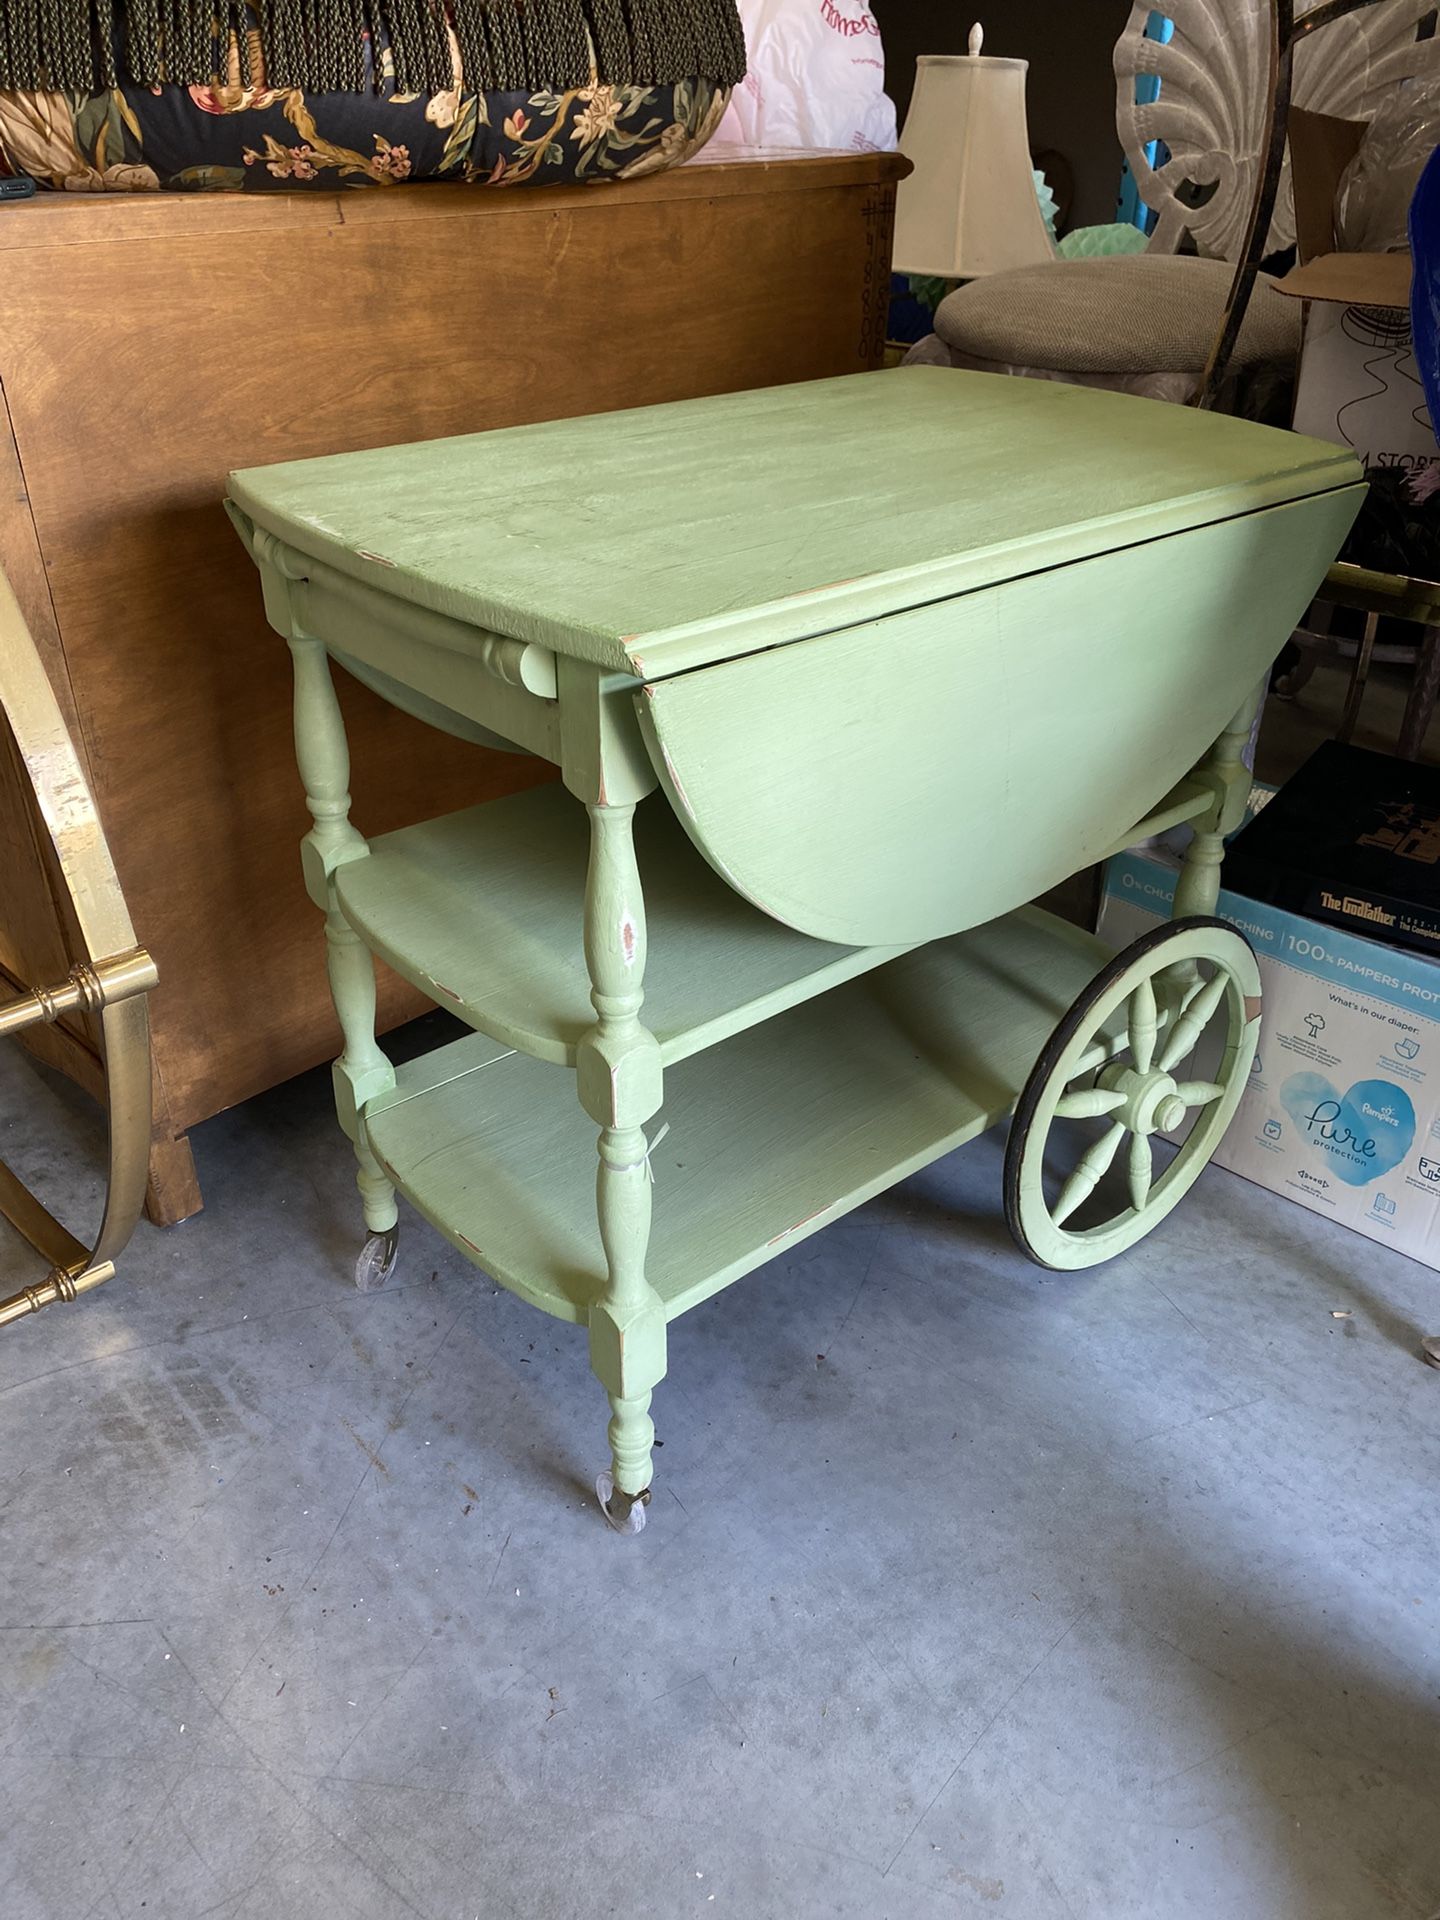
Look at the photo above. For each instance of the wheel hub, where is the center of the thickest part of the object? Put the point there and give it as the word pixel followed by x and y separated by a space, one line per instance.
pixel 1152 1101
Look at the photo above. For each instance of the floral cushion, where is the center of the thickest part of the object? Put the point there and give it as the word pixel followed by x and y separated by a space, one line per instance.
pixel 137 139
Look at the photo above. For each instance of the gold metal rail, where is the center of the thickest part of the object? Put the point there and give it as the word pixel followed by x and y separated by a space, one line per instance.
pixel 110 982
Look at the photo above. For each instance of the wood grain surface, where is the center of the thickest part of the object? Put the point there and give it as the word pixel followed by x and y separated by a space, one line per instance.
pixel 757 518
pixel 772 1134
pixel 150 343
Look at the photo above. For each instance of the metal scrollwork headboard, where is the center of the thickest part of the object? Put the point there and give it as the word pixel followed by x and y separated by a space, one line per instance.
pixel 1288 30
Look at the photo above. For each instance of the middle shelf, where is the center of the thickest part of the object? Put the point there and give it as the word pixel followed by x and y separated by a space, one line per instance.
pixel 483 911
pixel 771 1135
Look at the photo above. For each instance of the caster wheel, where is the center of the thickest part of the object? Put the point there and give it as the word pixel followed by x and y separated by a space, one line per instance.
pixel 623 1511
pixel 1113 1065
pixel 1430 1350
pixel 377 1260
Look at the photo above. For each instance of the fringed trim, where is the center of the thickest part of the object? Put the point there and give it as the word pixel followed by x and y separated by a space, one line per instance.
pixel 324 46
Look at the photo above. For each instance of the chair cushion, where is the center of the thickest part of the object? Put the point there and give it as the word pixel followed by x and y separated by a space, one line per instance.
pixel 1144 312
pixel 1178 388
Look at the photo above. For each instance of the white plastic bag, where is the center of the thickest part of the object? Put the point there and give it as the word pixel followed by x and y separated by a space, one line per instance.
pixel 1373 203
pixel 816 79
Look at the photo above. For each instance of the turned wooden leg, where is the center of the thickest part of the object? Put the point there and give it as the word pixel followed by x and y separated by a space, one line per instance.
pixel 362 1071
pixel 620 1086
pixel 1224 771
pixel 1197 889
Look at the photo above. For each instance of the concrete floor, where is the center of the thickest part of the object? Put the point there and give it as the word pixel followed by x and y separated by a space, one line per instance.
pixel 968 1590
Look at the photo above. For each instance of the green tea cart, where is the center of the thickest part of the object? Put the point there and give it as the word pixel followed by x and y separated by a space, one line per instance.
pixel 838 677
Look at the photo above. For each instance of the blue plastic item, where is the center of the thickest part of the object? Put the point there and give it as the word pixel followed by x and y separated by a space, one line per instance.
pixel 1425 289
pixel 1130 208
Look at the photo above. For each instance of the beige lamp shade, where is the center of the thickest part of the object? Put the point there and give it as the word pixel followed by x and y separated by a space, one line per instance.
pixel 970 206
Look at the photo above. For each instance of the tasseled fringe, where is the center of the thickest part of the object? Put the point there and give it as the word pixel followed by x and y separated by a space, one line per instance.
pixel 320 46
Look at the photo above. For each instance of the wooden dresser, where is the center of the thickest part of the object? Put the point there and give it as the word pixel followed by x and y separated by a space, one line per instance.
pixel 149 344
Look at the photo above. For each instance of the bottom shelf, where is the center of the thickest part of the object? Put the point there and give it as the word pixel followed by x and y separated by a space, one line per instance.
pixel 773 1133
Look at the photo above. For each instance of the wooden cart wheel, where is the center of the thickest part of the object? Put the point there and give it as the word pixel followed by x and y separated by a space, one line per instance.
pixel 110 980
pixel 1088 1169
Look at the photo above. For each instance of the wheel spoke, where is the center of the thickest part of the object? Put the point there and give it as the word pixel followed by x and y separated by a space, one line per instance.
pixel 1190 992
pixel 1192 1023
pixel 1140 1169
pixel 1088 1175
pixel 1141 1026
pixel 1087 1103
pixel 1095 1055
pixel 1198 1093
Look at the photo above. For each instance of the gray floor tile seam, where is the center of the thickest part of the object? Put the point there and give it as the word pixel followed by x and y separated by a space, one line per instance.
pixel 1357 1746
pixel 236 1471
pixel 853 1611
pixel 76 1626
pixel 144 1835
pixel 239 1898
pixel 1046 1871
pixel 95 1905
pixel 143 1709
pixel 916 1680
pixel 1059 1892
pixel 369 1719
pixel 339 1840
pixel 537 1807
pixel 990 1724
pixel 1155 1287
pixel 1054 1869
pixel 1267 1618
pixel 255 1764
pixel 392 1427
pixel 833 1343
pixel 1191 1420
pixel 193 1336
pixel 223 1720
pixel 232 1901
pixel 179 1819
pixel 581 1713
pixel 542 1650
pixel 600 1716
pixel 1281 1718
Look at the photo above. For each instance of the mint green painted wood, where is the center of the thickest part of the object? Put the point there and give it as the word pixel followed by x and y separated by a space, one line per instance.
pixel 773 1133
pixel 907 778
pixel 619 1078
pixel 669 537
pixel 1186 801
pixel 482 911
pixel 1224 777
pixel 902 650
pixel 420 706
pixel 602 756
pixel 1141 1033
pixel 492 691
pixel 362 1071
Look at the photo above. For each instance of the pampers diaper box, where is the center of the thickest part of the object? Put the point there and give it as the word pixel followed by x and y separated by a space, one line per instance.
pixel 1342 1112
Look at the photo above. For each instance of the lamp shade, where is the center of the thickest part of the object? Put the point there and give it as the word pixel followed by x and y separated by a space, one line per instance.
pixel 970 206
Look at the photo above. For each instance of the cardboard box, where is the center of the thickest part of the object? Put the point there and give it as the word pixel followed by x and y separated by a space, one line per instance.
pixel 1358 383
pixel 1353 840
pixel 1342 1113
